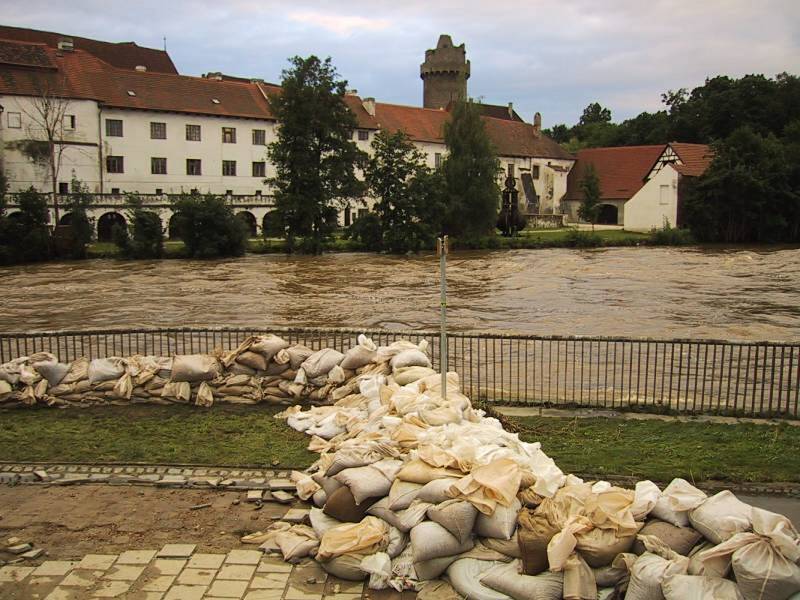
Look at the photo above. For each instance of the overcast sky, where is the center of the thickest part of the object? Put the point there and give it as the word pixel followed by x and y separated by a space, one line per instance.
pixel 552 56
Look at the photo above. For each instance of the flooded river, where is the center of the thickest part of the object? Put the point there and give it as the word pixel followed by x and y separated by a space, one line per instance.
pixel 659 292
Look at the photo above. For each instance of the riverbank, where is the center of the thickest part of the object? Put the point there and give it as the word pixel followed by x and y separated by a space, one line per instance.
pixel 244 436
pixel 526 240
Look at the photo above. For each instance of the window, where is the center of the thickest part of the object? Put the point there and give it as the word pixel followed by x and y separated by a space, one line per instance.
pixel 228 135
pixel 193 166
pixel 193 133
pixel 159 191
pixel 510 169
pixel 14 120
pixel 362 212
pixel 363 135
pixel 259 169
pixel 663 195
pixel 535 172
pixel 114 127
pixel 158 166
pixel 437 160
pixel 69 121
pixel 229 168
pixel 63 187
pixel 158 131
pixel 259 137
pixel 115 164
pixel 258 193
pixel 115 191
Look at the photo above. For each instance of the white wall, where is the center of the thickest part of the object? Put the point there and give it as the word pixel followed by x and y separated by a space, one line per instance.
pixel 79 157
pixel 651 207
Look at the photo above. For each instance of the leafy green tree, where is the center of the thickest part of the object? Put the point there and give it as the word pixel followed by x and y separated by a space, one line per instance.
pixel 470 175
pixel 409 205
pixel 594 113
pixel 24 235
pixel 560 133
pixel 747 194
pixel 366 230
pixel 314 155
pixel 81 225
pixel 590 188
pixel 144 236
pixel 208 226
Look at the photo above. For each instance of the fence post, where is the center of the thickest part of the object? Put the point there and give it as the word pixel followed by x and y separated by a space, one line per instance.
pixel 442 248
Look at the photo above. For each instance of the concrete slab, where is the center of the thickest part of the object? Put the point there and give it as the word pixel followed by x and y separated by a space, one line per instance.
pixel 227 589
pixel 244 557
pixel 185 592
pixel 100 562
pixel 54 568
pixel 206 561
pixel 236 572
pixel 136 557
pixel 196 576
pixel 168 566
pixel 177 551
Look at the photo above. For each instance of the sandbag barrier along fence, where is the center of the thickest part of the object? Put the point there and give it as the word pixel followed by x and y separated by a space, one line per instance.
pixel 682 376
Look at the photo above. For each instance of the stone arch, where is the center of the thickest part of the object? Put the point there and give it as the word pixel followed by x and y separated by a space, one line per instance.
pixel 106 223
pixel 270 225
pixel 16 215
pixel 249 219
pixel 608 214
pixel 172 228
pixel 66 219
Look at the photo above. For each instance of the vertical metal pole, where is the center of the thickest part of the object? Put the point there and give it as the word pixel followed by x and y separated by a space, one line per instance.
pixel 442 247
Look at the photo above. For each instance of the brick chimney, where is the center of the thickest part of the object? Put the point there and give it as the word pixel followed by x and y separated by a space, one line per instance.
pixel 65 44
pixel 510 110
pixel 369 106
pixel 537 123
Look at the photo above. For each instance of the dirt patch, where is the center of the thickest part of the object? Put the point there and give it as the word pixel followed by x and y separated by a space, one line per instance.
pixel 69 522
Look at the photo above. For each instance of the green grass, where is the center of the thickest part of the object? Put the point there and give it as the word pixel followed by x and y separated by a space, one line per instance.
pixel 246 435
pixel 661 450
pixel 223 435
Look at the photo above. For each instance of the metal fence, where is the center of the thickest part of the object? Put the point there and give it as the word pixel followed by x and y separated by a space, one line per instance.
pixel 683 376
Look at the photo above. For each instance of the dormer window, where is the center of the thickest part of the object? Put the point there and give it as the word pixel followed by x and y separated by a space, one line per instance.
pixel 215 100
pixel 131 93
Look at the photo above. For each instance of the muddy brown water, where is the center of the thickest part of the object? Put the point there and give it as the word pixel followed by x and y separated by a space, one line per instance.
pixel 741 293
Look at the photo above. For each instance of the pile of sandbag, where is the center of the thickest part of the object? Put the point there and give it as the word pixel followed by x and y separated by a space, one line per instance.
pixel 412 485
pixel 264 368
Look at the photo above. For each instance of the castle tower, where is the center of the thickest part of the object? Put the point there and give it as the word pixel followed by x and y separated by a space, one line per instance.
pixel 444 73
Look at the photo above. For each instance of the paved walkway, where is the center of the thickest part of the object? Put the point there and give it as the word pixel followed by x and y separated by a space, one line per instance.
pixel 175 572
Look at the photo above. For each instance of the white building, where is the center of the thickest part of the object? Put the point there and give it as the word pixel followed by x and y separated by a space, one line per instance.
pixel 132 124
pixel 639 185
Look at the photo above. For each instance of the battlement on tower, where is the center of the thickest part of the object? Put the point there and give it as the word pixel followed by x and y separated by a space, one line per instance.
pixel 444 73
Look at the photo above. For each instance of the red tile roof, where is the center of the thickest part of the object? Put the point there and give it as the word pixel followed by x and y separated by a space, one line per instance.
pixel 25 55
pixel 696 158
pixel 125 55
pixel 621 171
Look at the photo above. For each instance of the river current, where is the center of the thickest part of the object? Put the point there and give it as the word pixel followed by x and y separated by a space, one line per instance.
pixel 742 293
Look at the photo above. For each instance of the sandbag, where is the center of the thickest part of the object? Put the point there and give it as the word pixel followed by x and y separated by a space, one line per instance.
pixel 413 357
pixel 105 369
pixel 124 387
pixel 366 537
pixel 320 522
pixel 319 498
pixel 533 547
pixel 609 576
pixel 402 494
pixel 379 567
pixel 431 540
pixel 195 367
pixel 679 539
pixel 254 360
pixel 342 506
pixel 406 375
pixel 675 502
pixel 205 395
pixel 646 495
pixel 647 574
pixel 433 568
pixel 721 517
pixel 436 490
pixel 321 362
pixel 179 390
pixel 364 482
pixel 53 371
pixel 5 387
pixel 599 546
pixel 404 520
pixel 579 583
pixel 501 524
pixel 268 346
pixel 690 587
pixel 361 354
pixel 508 547
pixel 457 516
pixel 296 355
pixel 465 575
pixel 347 567
pixel 506 579
pixel 418 471
pixel 297 543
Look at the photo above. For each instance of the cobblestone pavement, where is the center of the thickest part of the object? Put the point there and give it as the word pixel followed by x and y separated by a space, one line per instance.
pixel 177 572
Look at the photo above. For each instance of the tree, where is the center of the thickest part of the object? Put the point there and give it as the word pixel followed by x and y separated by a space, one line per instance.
pixel 314 155
pixel 80 224
pixel 24 236
pixel 470 175
pixel 560 133
pixel 590 188
pixel 594 113
pixel 409 207
pixel 208 227
pixel 144 237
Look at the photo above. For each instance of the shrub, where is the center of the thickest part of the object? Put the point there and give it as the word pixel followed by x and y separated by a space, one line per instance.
pixel 583 239
pixel 144 237
pixel 366 231
pixel 25 237
pixel 81 226
pixel 208 226
pixel 671 236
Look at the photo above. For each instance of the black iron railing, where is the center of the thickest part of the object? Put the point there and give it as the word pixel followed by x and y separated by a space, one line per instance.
pixel 667 375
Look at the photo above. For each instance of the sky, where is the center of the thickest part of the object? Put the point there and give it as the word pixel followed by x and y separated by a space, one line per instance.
pixel 550 56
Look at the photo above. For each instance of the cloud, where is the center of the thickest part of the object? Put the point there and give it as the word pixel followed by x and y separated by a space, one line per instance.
pixel 340 25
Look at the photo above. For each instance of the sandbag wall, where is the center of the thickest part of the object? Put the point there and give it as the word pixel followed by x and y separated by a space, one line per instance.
pixel 263 368
pixel 413 486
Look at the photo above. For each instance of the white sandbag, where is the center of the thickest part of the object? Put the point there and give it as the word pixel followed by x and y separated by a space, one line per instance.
pixel 501 524
pixel 647 574
pixel 205 395
pixel 433 568
pixel 296 543
pixel 457 516
pixel 509 547
pixel 347 567
pixel 268 345
pixel 436 491
pixel 53 371
pixel 646 495
pixel 413 357
pixel 124 387
pixel 398 540
pixel 297 354
pixel 364 482
pixel 320 522
pixel 179 390
pixel 609 576
pixel 319 498
pixel 721 517
pixel 361 354
pixel 253 360
pixel 404 520
pixel 506 579
pixel 677 499
pixel 402 494
pixel 5 387
pixel 321 362
pixel 105 369
pixel 406 375
pixel 690 587
pixel 379 568
pixel 431 540
pixel 195 367
pixel 465 574
pixel 336 375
